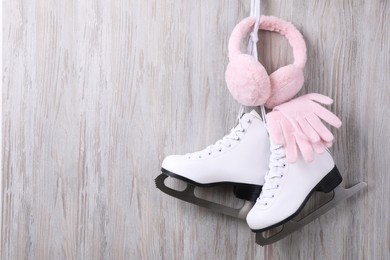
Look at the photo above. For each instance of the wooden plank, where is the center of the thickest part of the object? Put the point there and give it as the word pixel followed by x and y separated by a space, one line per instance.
pixel 96 93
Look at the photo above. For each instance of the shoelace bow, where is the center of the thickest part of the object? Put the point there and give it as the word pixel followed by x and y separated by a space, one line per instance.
pixel 274 175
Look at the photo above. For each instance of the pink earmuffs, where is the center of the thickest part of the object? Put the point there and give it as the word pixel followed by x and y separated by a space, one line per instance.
pixel 247 79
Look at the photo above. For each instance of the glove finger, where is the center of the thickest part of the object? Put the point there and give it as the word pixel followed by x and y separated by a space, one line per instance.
pixel 327 144
pixel 319 147
pixel 305 149
pixel 316 123
pixel 274 128
pixel 326 115
pixel 308 130
pixel 291 146
pixel 319 98
pixel 291 150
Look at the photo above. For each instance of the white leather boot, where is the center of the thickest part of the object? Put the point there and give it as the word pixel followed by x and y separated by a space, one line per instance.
pixel 288 186
pixel 240 158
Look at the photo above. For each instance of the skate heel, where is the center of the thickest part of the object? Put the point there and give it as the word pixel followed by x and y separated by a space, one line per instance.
pixel 247 191
pixel 330 181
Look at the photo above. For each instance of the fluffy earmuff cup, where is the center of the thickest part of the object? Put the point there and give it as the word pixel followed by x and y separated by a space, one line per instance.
pixel 248 81
pixel 285 84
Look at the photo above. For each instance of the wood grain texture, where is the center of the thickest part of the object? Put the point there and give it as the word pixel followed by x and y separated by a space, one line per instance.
pixel 96 93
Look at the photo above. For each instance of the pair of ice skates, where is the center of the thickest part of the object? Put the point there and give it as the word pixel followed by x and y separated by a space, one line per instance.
pixel 272 176
pixel 275 190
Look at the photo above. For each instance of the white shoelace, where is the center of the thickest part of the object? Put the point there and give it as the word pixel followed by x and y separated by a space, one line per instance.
pixel 234 135
pixel 274 175
pixel 254 38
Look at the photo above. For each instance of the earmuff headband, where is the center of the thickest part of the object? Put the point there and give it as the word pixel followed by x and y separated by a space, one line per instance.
pixel 270 23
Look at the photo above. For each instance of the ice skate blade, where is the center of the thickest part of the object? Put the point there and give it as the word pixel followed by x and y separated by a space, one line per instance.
pixel 188 195
pixel 339 194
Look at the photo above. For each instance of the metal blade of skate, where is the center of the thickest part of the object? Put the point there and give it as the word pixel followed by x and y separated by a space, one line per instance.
pixel 188 195
pixel 339 194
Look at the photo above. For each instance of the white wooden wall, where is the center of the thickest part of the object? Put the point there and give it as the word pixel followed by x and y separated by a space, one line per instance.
pixel 96 93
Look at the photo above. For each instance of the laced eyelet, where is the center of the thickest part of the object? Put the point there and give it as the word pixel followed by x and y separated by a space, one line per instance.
pixel 266 204
pixel 273 196
pixel 238 139
pixel 277 186
pixel 209 153
pixel 230 145
pixel 249 121
pixel 243 130
pixel 219 150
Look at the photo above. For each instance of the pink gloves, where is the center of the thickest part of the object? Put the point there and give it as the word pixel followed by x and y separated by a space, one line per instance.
pixel 297 122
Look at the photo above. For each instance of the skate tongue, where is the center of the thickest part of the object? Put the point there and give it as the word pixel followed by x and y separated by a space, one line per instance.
pixel 271 142
pixel 254 113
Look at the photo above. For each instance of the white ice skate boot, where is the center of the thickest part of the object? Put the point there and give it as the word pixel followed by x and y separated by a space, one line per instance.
pixel 239 159
pixel 287 188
